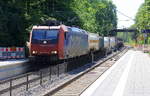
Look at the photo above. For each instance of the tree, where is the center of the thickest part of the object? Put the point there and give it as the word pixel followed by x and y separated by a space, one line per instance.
pixel 106 17
pixel 143 16
pixel 18 16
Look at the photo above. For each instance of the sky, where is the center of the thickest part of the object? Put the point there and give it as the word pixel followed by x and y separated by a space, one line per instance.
pixel 129 8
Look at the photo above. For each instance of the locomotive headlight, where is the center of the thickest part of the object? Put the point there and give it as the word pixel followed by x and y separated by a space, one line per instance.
pixel 53 52
pixel 34 52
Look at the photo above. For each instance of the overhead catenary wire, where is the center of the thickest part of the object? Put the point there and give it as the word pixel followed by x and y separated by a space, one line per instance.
pixel 125 15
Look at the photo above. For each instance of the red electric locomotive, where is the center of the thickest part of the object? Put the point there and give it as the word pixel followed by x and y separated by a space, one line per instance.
pixel 47 41
pixel 57 42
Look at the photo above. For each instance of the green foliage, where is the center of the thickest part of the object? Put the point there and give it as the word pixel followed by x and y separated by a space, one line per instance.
pixel 142 20
pixel 11 24
pixel 143 16
pixel 18 16
pixel 106 17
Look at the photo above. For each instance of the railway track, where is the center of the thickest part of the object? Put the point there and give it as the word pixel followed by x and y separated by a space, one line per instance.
pixel 34 82
pixel 77 85
pixel 51 88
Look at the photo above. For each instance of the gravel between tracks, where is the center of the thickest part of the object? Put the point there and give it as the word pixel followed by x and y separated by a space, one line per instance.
pixel 76 87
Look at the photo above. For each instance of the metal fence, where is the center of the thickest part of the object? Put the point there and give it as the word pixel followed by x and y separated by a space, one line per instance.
pixel 50 74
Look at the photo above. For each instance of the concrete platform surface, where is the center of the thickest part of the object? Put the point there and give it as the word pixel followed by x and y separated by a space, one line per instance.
pixel 129 76
pixel 13 61
pixel 12 68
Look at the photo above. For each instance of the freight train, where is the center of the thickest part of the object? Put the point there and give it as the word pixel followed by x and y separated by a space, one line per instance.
pixel 63 42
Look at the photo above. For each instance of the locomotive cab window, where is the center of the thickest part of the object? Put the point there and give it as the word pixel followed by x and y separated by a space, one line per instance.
pixel 52 35
pixel 45 34
pixel 38 34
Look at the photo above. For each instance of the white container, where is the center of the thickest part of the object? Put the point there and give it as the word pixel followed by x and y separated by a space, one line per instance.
pixel 93 40
pixel 112 42
pixel 106 42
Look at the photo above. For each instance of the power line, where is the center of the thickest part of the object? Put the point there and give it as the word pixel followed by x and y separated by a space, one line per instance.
pixel 124 20
pixel 125 15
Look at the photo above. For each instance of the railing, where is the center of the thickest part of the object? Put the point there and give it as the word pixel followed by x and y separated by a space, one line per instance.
pixel 54 72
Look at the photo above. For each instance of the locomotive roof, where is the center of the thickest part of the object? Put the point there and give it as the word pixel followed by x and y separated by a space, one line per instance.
pixel 46 27
pixel 75 29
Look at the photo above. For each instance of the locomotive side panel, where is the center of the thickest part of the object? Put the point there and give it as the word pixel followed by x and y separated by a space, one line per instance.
pixel 76 43
pixel 61 42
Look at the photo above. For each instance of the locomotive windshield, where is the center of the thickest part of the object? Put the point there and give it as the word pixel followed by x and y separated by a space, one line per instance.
pixel 51 34
pixel 45 34
pixel 38 34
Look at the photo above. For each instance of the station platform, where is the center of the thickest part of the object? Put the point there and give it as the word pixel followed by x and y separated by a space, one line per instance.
pixel 12 61
pixel 12 68
pixel 129 76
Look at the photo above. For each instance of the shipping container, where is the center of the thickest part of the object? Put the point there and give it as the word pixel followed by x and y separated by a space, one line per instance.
pixel 93 40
